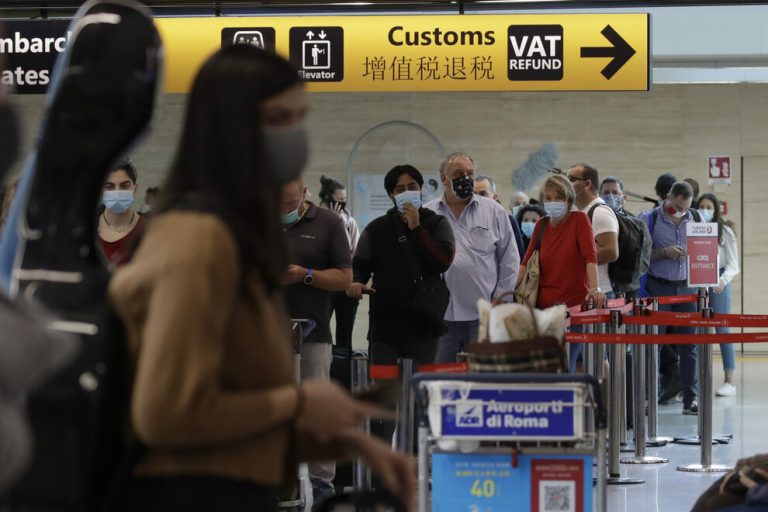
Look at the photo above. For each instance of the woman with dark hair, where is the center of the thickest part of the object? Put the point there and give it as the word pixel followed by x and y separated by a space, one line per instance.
pixel 119 223
pixel 333 196
pixel 526 217
pixel 214 398
pixel 720 296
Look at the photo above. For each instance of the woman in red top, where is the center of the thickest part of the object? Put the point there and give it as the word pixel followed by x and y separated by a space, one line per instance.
pixel 567 258
pixel 119 223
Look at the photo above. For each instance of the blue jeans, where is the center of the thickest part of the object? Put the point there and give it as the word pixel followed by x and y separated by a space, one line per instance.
pixel 721 303
pixel 686 353
pixel 574 350
pixel 457 337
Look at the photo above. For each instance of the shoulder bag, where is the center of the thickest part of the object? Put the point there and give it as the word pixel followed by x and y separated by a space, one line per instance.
pixel 430 293
pixel 528 290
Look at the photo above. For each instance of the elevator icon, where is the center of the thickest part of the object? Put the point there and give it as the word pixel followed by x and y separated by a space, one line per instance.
pixel 316 53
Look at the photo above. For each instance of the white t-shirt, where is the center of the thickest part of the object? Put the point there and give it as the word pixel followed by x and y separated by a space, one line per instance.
pixel 603 221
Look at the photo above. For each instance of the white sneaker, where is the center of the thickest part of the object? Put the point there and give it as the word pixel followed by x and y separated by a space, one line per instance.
pixel 726 389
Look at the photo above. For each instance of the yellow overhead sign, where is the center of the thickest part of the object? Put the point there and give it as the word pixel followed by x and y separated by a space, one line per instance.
pixel 553 52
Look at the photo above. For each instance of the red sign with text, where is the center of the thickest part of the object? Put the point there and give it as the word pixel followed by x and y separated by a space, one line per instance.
pixel 719 170
pixel 703 265
pixel 557 484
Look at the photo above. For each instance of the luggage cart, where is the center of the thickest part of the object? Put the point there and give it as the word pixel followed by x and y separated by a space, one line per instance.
pixel 301 328
pixel 510 442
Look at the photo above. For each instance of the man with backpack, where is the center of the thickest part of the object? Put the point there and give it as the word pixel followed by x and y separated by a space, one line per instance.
pixel 668 274
pixel 605 227
pixel 634 241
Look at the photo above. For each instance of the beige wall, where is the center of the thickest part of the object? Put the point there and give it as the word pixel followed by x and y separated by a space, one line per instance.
pixel 636 136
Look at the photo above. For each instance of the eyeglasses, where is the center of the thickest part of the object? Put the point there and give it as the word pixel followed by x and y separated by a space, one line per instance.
pixel 574 179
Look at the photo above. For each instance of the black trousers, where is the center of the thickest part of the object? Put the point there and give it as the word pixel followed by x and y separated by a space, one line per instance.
pixel 422 351
pixel 198 494
pixel 345 309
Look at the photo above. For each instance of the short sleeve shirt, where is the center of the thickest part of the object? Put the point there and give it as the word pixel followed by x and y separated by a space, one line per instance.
pixel 603 221
pixel 317 241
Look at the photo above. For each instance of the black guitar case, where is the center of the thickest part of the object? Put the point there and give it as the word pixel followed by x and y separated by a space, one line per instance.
pixel 102 100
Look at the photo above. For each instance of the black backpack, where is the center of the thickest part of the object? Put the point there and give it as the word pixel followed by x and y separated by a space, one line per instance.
pixel 634 250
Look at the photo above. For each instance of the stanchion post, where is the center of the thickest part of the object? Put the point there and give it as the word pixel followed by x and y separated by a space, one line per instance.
pixel 638 416
pixel 653 386
pixel 405 408
pixel 423 460
pixel 617 359
pixel 361 474
pixel 705 409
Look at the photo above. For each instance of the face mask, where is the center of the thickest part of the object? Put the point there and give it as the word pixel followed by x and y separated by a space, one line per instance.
pixel 613 200
pixel 290 218
pixel 118 201
pixel 671 210
pixel 516 209
pixel 9 138
pixel 707 215
pixel 287 150
pixel 408 197
pixel 556 209
pixel 463 187
pixel 342 204
pixel 527 228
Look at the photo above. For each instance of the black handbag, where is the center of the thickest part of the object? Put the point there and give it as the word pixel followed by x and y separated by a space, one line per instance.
pixel 430 292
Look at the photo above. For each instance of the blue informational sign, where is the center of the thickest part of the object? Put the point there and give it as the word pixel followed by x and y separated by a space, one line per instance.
pixel 521 413
pixel 494 483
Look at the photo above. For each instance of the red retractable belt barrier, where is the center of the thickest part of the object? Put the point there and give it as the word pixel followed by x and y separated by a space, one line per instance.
pixel 666 339
pixel 392 371
pixel 695 320
pixel 673 299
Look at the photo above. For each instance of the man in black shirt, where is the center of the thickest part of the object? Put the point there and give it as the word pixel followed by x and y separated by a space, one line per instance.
pixel 394 331
pixel 320 263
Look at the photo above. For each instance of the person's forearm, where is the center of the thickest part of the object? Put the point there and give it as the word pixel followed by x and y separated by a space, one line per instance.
pixel 332 279
pixel 592 276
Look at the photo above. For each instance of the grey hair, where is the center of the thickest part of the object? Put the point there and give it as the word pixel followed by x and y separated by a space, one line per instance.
pixel 488 179
pixel 453 156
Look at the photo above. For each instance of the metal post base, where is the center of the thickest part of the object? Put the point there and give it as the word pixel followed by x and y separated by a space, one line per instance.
pixel 627 448
pixel 645 460
pixel 691 440
pixel 699 468
pixel 615 480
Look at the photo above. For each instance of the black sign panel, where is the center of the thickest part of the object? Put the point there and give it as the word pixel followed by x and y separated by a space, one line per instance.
pixel 535 52
pixel 262 37
pixel 30 48
pixel 318 53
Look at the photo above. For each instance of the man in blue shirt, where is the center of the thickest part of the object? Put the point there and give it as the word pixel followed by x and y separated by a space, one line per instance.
pixel 668 274
pixel 486 187
pixel 486 261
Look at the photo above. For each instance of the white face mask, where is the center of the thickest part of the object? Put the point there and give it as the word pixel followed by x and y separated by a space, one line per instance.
pixel 707 215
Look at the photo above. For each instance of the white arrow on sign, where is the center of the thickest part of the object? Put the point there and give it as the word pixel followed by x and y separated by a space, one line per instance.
pixel 310 34
pixel 322 34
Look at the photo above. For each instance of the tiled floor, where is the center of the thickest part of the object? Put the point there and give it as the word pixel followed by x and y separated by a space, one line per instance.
pixel 744 415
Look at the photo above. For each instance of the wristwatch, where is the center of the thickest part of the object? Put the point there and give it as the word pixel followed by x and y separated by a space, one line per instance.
pixel 309 277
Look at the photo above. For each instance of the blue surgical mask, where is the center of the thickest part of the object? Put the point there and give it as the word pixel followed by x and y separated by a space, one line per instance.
pixel 613 200
pixel 556 209
pixel 291 217
pixel 516 209
pixel 707 215
pixel 118 201
pixel 527 228
pixel 408 197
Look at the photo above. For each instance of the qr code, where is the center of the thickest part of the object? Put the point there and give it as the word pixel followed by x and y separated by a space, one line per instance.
pixel 557 496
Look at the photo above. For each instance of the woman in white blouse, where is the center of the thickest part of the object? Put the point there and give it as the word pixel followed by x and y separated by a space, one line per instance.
pixel 720 297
